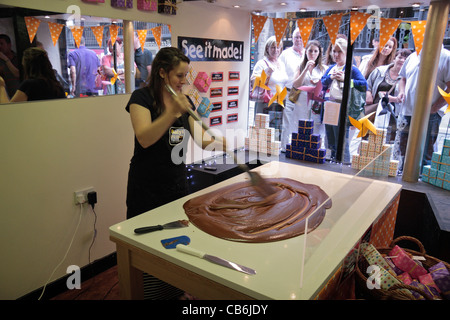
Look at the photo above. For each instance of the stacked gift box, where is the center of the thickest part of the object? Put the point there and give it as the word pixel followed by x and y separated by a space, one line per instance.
pixel 261 138
pixel 438 173
pixel 305 145
pixel 375 155
pixel 398 266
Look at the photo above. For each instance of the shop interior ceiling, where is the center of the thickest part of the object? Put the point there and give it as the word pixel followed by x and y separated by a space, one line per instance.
pixel 310 5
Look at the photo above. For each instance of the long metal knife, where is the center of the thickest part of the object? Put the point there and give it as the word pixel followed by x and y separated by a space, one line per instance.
pixel 213 259
pixel 170 225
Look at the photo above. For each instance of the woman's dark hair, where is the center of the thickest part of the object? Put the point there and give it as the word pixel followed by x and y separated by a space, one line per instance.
pixel 318 62
pixel 36 65
pixel 167 59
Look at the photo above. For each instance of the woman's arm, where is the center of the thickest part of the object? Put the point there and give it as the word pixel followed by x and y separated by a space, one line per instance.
pixel 204 140
pixel 358 78
pixel 326 79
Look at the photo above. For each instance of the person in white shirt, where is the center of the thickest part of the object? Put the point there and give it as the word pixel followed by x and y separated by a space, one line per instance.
pixel 407 92
pixel 276 75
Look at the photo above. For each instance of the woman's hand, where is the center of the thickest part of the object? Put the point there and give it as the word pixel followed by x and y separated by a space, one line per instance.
pixel 310 65
pixel 338 75
pixel 176 105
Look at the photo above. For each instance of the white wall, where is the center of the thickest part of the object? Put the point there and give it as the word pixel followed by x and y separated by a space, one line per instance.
pixel 50 149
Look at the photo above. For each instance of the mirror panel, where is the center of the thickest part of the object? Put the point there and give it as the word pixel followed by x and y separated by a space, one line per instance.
pixel 55 33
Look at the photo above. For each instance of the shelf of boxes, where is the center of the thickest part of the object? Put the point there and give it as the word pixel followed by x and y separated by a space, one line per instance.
pixel 377 153
pixel 305 145
pixel 438 173
pixel 261 138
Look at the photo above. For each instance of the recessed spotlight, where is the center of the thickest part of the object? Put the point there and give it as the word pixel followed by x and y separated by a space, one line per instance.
pixel 302 9
pixel 236 6
pixel 283 3
pixel 338 1
pixel 355 8
pixel 415 4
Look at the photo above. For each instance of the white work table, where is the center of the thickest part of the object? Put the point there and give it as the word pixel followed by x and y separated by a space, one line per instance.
pixel 295 268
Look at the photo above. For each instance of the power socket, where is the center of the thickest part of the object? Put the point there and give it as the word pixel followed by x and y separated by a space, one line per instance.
pixel 81 197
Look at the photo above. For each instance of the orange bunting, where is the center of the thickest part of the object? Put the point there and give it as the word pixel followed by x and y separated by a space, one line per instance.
pixel 32 26
pixel 418 31
pixel 170 28
pixel 142 36
pixel 358 21
pixel 279 25
pixel 258 25
pixel 305 26
pixel 98 33
pixel 113 31
pixel 332 24
pixel 77 33
pixel 55 31
pixel 387 29
pixel 156 31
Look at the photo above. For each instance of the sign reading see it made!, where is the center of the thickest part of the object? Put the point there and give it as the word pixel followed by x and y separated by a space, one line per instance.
pixel 199 49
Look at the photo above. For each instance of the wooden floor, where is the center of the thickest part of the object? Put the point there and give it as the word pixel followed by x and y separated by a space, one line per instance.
pixel 104 286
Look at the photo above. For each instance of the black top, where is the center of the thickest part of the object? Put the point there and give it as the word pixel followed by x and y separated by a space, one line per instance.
pixel 157 173
pixel 39 89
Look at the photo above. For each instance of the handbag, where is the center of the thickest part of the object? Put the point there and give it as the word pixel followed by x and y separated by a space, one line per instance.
pixel 294 93
pixel 260 95
pixel 356 102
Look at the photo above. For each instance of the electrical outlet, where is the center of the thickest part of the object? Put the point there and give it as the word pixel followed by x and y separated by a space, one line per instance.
pixel 81 195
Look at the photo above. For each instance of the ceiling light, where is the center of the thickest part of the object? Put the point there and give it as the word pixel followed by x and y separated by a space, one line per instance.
pixel 339 1
pixel 416 4
pixel 302 9
pixel 283 3
pixel 355 8
pixel 236 6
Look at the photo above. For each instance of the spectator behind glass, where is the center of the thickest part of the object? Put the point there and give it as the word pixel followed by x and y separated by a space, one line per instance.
pixel 143 59
pixel 333 84
pixel 40 82
pixel 9 65
pixel 379 58
pixel 380 82
pixel 308 73
pixel 83 64
pixel 276 75
pixel 108 66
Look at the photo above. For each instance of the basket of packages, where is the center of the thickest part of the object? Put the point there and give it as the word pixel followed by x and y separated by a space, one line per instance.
pixel 396 273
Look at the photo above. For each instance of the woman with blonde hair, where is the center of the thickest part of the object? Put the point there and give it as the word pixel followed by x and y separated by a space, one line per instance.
pixel 276 75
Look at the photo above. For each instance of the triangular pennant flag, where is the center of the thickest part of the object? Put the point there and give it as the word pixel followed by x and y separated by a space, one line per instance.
pixel 98 33
pixel 55 31
pixel 113 31
pixel 305 26
pixel 32 25
pixel 358 21
pixel 142 36
pixel 332 24
pixel 77 33
pixel 279 25
pixel 170 28
pixel 387 29
pixel 258 25
pixel 156 31
pixel 418 31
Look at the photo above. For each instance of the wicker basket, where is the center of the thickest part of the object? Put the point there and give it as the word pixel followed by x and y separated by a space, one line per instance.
pixel 394 293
